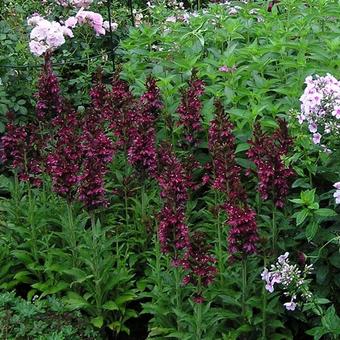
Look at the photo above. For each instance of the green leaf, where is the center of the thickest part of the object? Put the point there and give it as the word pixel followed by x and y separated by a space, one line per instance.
pixel 308 196
pixel 313 206
pixel 301 183
pixel 110 305
pixel 335 259
pixel 301 216
pixel 75 301
pixel 325 212
pixel 317 332
pixel 331 321
pixel 322 301
pixel 122 299
pixel 242 147
pixel 321 273
pixel 296 200
pixel 311 230
pixel 23 256
pixel 97 322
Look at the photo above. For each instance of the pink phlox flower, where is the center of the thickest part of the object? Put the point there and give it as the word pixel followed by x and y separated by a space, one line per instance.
pixel 282 258
pixel 316 138
pixel 71 22
pixel 95 20
pixel 290 305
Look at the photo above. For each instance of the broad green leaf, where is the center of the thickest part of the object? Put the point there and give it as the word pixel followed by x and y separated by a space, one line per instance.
pixel 335 259
pixel 311 230
pixel 325 212
pixel 242 147
pixel 97 322
pixel 110 305
pixel 75 301
pixel 301 216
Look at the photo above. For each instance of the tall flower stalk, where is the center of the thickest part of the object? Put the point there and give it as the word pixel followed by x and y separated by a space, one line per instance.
pixel 173 232
pixel 189 110
pixel 267 152
pixel 142 151
pixel 242 235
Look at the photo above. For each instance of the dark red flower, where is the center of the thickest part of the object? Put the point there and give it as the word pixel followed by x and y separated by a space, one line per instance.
pixel 64 162
pixel 97 152
pixel 242 236
pixel 221 142
pixel 15 146
pixel 174 183
pixel 49 99
pixel 198 262
pixel 142 151
pixel 21 152
pixel 189 110
pixel 124 106
pixel 173 233
pixel 151 100
pixel 266 152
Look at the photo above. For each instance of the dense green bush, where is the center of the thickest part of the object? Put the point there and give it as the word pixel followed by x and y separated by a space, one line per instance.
pixel 41 319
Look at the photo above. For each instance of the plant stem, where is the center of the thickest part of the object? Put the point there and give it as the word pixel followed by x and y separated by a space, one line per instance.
pixel 244 287
pixel 198 321
pixel 31 223
pixel 71 232
pixel 274 230
pixel 178 295
pixel 16 199
pixel 219 245
pixel 158 263
pixel 144 231
pixel 264 308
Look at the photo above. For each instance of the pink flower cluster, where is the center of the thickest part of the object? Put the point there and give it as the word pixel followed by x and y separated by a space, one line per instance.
pixel 266 151
pixel 320 106
pixel 46 35
pixel 336 195
pixel 95 20
pixel 75 3
pixel 290 277
pixel 227 69
pixel 49 35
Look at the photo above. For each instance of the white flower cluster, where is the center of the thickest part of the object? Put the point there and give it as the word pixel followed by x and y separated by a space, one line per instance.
pixel 290 277
pixel 320 106
pixel 336 195
pixel 173 4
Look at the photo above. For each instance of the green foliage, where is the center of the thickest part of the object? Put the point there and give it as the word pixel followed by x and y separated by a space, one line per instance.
pixel 41 319
pixel 52 252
